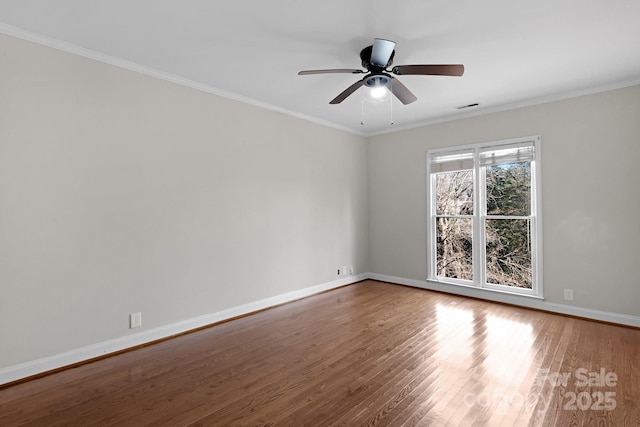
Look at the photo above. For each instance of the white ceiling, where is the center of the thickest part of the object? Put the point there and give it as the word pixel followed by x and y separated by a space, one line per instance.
pixel 515 52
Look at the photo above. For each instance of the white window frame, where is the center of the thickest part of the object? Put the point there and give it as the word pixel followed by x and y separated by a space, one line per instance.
pixel 480 216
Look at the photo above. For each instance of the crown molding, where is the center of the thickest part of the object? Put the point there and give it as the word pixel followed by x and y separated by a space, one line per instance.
pixel 135 67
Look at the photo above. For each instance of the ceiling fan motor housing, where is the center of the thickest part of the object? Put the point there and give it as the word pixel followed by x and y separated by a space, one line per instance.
pixel 365 57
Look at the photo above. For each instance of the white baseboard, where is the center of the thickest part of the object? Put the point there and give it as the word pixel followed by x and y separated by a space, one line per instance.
pixel 523 301
pixel 38 366
pixel 35 367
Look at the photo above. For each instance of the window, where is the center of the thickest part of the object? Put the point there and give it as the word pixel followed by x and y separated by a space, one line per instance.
pixel 484 216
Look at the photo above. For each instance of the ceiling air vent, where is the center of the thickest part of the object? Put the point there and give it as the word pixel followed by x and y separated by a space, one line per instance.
pixel 462 107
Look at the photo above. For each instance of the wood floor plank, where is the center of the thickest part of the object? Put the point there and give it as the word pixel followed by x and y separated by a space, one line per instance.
pixel 367 354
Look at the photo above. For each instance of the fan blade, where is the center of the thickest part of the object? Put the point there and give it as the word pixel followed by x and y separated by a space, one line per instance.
pixel 331 71
pixel 348 91
pixel 430 70
pixel 401 91
pixel 382 50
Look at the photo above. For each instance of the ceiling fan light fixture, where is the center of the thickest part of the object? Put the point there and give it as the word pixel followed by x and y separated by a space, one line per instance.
pixel 377 85
pixel 378 92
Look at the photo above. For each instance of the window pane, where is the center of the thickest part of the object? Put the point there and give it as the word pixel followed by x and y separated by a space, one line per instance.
pixel 509 189
pixel 509 252
pixel 454 248
pixel 454 193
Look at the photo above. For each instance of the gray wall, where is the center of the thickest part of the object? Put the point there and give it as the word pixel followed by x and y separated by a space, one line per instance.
pixel 590 197
pixel 122 193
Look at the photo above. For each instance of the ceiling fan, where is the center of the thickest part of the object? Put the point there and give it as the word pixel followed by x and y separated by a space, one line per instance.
pixel 376 59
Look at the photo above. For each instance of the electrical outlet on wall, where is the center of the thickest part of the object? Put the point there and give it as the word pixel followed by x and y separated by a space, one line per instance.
pixel 135 320
pixel 568 294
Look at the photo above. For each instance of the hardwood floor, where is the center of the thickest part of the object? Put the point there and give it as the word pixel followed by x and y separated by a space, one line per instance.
pixel 366 354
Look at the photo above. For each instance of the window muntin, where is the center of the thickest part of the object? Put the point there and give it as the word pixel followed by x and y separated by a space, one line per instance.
pixel 483 226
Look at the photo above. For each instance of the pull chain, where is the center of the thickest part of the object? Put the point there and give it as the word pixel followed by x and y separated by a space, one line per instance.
pixel 391 103
pixel 364 101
